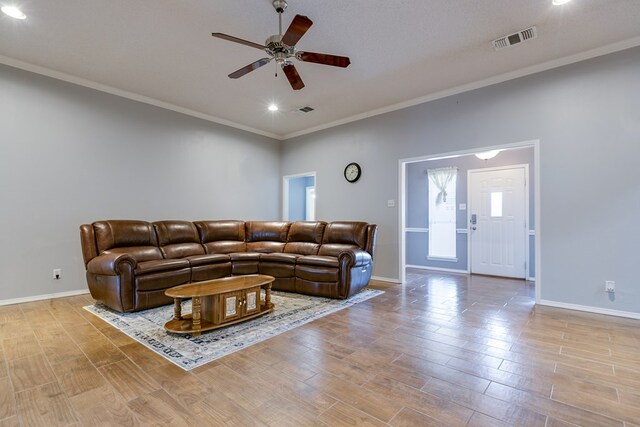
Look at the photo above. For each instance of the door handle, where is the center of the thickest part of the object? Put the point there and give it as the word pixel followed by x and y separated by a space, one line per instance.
pixel 473 228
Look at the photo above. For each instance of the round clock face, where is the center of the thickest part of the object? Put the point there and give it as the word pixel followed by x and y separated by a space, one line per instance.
pixel 352 172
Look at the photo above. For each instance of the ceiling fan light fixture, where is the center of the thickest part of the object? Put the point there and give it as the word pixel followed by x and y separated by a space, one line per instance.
pixel 559 2
pixel 486 155
pixel 13 12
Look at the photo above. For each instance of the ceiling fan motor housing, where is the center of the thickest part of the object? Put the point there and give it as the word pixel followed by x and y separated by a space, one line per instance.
pixel 279 5
pixel 277 49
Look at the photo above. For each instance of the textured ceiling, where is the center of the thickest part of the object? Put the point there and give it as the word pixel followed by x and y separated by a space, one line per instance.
pixel 400 50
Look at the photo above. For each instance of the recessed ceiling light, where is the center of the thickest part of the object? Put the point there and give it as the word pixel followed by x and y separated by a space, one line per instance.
pixel 273 107
pixel 559 2
pixel 13 12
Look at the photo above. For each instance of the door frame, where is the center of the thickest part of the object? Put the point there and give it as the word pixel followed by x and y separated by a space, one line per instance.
pixel 402 184
pixel 527 257
pixel 285 190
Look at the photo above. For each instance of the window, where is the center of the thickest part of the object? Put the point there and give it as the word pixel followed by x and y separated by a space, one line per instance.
pixel 442 213
pixel 496 204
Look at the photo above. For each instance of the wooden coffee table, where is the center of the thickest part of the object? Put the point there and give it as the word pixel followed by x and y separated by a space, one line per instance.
pixel 219 302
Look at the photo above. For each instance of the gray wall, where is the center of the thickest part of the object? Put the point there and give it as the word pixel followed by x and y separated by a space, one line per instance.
pixel 71 155
pixel 587 118
pixel 417 202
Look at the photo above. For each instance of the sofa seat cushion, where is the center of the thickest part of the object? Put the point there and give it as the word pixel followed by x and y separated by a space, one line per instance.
pixel 317 273
pixel 279 257
pixel 265 247
pixel 156 266
pixel 225 247
pixel 207 259
pixel 324 261
pixel 245 256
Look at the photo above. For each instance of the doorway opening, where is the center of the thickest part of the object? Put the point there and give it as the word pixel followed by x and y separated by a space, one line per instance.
pixel 463 213
pixel 299 197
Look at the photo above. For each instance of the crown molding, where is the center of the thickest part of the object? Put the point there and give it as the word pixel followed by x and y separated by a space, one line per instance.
pixel 129 95
pixel 560 62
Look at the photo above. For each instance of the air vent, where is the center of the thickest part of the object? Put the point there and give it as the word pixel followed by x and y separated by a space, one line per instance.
pixel 306 109
pixel 515 38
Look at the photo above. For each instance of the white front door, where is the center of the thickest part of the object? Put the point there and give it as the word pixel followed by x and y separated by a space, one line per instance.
pixel 497 216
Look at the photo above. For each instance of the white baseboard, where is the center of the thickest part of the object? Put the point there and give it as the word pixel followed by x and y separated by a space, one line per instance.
pixel 43 297
pixel 447 270
pixel 589 309
pixel 385 279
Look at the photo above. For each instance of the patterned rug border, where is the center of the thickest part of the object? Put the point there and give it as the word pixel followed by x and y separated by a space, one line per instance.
pixel 119 321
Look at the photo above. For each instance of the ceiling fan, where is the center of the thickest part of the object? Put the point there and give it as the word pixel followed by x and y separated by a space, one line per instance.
pixel 281 47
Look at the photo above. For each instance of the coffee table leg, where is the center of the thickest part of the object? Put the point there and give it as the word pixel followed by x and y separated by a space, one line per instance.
pixel 177 308
pixel 267 296
pixel 196 316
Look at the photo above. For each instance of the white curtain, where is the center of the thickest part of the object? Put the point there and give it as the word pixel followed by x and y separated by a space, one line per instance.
pixel 442 212
pixel 441 179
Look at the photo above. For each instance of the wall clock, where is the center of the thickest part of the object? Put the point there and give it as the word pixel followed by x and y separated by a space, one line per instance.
pixel 352 172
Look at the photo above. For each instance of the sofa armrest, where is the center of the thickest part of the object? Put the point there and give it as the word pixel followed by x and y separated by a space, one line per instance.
pixel 111 264
pixel 354 258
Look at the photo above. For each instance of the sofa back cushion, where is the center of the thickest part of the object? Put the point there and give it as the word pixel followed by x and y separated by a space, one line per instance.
pixel 266 236
pixel 137 238
pixel 343 235
pixel 305 237
pixel 222 237
pixel 178 239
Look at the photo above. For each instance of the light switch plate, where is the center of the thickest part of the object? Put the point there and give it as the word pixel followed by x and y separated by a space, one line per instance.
pixel 462 206
pixel 391 203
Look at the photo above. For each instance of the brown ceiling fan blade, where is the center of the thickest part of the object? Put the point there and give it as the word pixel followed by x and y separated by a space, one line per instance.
pixel 293 76
pixel 296 30
pixel 323 58
pixel 237 40
pixel 253 66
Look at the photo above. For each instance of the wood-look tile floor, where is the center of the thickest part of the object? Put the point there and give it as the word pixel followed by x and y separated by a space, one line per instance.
pixel 443 350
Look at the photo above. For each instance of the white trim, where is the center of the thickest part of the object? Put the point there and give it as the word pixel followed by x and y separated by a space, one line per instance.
pixel 402 202
pixel 525 166
pixel 532 232
pixel 443 259
pixel 537 201
pixel 130 95
pixel 531 279
pixel 416 230
pixel 426 230
pixel 43 297
pixel 446 270
pixel 285 190
pixel 589 309
pixel 560 62
pixel 385 279
pixel 470 151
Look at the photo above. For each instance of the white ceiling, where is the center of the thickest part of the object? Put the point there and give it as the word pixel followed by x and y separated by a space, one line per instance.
pixel 161 51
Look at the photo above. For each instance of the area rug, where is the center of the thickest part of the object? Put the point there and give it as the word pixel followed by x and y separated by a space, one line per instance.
pixel 188 352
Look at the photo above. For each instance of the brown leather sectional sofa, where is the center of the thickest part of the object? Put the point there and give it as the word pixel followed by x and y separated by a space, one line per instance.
pixel 131 263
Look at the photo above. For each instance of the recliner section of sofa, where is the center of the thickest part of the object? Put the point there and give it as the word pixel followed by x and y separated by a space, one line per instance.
pixel 131 263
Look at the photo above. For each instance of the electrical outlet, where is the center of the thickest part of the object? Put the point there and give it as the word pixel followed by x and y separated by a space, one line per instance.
pixel 57 273
pixel 610 286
